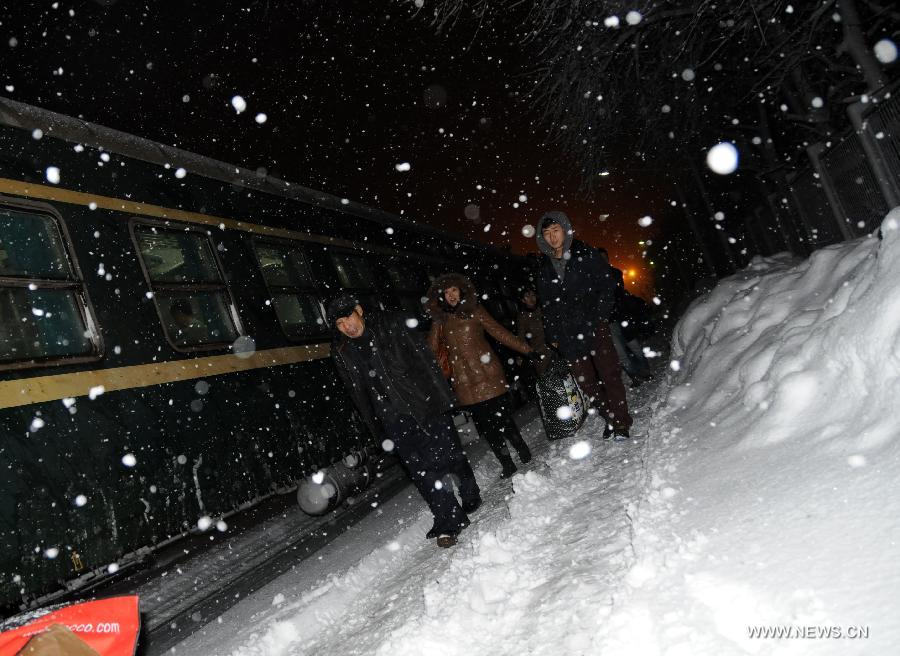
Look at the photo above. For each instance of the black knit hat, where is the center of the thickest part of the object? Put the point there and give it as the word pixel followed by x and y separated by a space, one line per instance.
pixel 342 306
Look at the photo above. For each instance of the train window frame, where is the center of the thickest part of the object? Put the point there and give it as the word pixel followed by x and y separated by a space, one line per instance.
pixel 134 224
pixel 76 283
pixel 309 290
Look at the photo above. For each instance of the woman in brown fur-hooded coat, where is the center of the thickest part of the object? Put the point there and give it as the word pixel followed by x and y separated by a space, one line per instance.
pixel 476 374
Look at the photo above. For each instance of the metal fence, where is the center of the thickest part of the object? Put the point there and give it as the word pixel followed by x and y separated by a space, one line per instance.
pixel 851 182
pixel 878 125
pixel 812 206
pixel 859 199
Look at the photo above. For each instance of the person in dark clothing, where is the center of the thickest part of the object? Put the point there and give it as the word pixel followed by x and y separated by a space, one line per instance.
pixel 577 293
pixel 624 326
pixel 530 327
pixel 398 389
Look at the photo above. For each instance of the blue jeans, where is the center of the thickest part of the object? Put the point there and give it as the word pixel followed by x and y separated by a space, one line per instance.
pixel 430 452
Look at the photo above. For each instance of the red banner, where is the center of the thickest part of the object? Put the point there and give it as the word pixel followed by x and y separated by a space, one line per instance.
pixel 108 626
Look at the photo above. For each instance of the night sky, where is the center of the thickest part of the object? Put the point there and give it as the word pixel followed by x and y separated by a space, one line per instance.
pixel 349 90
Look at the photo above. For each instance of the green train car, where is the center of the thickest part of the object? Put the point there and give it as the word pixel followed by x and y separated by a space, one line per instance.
pixel 163 356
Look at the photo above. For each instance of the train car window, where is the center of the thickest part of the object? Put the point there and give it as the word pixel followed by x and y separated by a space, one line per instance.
pixel 493 302
pixel 353 271
pixel 290 284
pixel 188 287
pixel 355 274
pixel 44 311
pixel 178 257
pixel 410 284
pixel 407 277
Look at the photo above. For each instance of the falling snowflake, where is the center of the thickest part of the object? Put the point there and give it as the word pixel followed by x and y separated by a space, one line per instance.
pixel 244 347
pixel 886 51
pixel 722 158
pixel 564 413
pixel 580 450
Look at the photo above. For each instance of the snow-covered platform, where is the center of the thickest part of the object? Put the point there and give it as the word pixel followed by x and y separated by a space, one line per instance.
pixel 382 588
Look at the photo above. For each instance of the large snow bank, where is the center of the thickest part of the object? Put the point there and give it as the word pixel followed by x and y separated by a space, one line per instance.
pixel 806 352
pixel 775 479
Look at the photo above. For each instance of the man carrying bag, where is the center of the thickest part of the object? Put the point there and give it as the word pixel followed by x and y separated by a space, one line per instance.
pixel 577 294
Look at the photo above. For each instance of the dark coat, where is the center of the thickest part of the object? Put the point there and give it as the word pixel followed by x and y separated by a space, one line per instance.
pixel 630 310
pixel 406 363
pixel 530 327
pixel 575 305
pixel 476 371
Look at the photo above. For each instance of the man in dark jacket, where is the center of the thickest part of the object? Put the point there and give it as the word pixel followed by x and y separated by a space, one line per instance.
pixel 577 293
pixel 401 394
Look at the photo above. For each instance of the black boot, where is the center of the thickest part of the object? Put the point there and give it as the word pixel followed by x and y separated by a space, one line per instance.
pixel 498 446
pixel 471 505
pixel 521 448
pixel 509 470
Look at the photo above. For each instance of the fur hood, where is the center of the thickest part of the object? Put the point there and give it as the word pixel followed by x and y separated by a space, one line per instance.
pixel 436 305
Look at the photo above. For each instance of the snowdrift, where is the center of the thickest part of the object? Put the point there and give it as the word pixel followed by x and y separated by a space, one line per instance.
pixel 803 352
pixel 774 482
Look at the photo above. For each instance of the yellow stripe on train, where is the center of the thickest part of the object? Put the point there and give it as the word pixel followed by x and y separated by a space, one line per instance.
pixel 25 391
